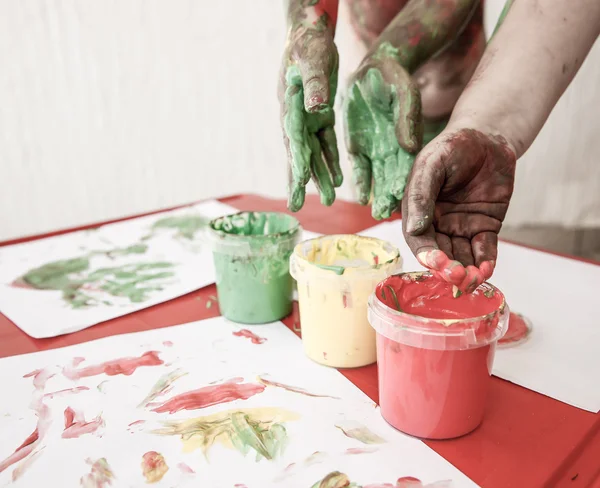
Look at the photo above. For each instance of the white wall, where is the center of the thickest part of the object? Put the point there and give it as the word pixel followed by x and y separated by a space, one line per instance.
pixel 114 107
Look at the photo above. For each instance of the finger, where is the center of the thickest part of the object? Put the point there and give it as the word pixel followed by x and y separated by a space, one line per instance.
pixel 297 134
pixel 425 182
pixel 383 201
pixel 461 248
pixel 450 270
pixel 332 156
pixel 485 252
pixel 320 173
pixel 445 244
pixel 404 164
pixel 406 103
pixel 315 69
pixel 472 280
pixel 361 174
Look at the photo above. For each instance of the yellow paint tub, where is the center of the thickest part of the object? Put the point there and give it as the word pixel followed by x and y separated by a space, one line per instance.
pixel 336 275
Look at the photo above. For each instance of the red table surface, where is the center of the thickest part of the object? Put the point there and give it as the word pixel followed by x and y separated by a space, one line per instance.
pixel 526 440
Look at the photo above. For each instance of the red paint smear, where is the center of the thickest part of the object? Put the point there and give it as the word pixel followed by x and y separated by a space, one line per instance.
pixel 124 366
pixel 137 422
pixel 40 377
pixel 432 298
pixel 185 468
pixel 345 300
pixel 518 330
pixel 360 450
pixel 239 485
pixel 249 335
pixel 77 389
pixel 167 344
pixel 210 395
pixel 75 424
pixel 34 439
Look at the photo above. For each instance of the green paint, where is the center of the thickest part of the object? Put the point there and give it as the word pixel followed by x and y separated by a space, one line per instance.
pixel 310 137
pixel 268 441
pixel 251 253
pixel 186 225
pixel 371 114
pixel 73 277
pixel 503 15
pixel 335 479
pixel 395 297
pixel 338 270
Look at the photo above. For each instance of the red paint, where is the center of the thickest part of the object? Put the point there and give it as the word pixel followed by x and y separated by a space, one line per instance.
pixel 432 298
pixel 167 344
pixel 40 377
pixel 434 375
pixel 250 335
pixel 465 278
pixel 34 439
pixel 345 300
pixel 75 424
pixel 518 331
pixel 137 422
pixel 77 389
pixel 184 468
pixel 124 366
pixel 360 450
pixel 210 395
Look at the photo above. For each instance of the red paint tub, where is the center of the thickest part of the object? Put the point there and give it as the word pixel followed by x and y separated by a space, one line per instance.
pixel 435 353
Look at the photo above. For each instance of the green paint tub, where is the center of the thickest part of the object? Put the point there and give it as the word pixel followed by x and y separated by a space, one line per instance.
pixel 251 252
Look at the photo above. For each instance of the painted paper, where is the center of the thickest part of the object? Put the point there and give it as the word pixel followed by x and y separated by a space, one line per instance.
pixel 560 357
pixel 87 277
pixel 197 405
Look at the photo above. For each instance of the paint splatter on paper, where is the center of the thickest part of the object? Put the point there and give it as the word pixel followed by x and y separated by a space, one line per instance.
pixel 75 424
pixel 294 389
pixel 360 450
pixel 154 466
pixel 184 468
pixel 336 479
pixel 26 464
pixel 360 433
pixel 210 395
pixel 260 430
pixel 40 377
pixel 83 287
pixel 124 366
pixel 249 335
pixel 66 391
pixel 162 386
pixel 100 475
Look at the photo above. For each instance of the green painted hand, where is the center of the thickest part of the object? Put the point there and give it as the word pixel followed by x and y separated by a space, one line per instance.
pixel 382 115
pixel 308 83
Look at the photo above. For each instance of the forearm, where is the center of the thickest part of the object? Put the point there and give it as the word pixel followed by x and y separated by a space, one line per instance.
pixel 422 29
pixel 311 14
pixel 526 68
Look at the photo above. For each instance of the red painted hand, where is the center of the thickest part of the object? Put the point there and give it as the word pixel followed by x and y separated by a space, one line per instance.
pixel 456 199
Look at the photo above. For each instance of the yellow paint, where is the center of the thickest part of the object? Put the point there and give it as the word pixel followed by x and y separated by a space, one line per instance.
pixel 203 432
pixel 336 275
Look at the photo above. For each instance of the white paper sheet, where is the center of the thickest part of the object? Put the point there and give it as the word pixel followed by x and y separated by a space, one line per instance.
pixel 208 354
pixel 179 254
pixel 561 358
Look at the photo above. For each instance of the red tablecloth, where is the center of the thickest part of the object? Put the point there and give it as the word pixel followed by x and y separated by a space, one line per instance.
pixel 526 440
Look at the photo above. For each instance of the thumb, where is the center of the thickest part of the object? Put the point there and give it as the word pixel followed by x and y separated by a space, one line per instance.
pixel 407 117
pixel 426 180
pixel 315 69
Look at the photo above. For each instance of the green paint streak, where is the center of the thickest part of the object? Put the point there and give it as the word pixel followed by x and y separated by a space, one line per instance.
pixel 268 441
pixel 162 384
pixel 503 14
pixel 338 270
pixel 395 298
pixel 72 277
pixel 186 225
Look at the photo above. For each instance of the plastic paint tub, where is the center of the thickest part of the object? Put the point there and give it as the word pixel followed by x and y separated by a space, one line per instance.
pixel 336 275
pixel 434 370
pixel 251 252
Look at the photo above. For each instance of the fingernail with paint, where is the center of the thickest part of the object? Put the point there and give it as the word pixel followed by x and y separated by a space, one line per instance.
pixel 423 257
pixel 487 269
pixel 414 225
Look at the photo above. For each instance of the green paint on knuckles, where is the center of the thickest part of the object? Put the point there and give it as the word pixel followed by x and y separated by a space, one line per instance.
pixel 251 252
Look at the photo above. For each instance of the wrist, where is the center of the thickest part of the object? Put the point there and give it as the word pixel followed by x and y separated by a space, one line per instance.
pixel 510 127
